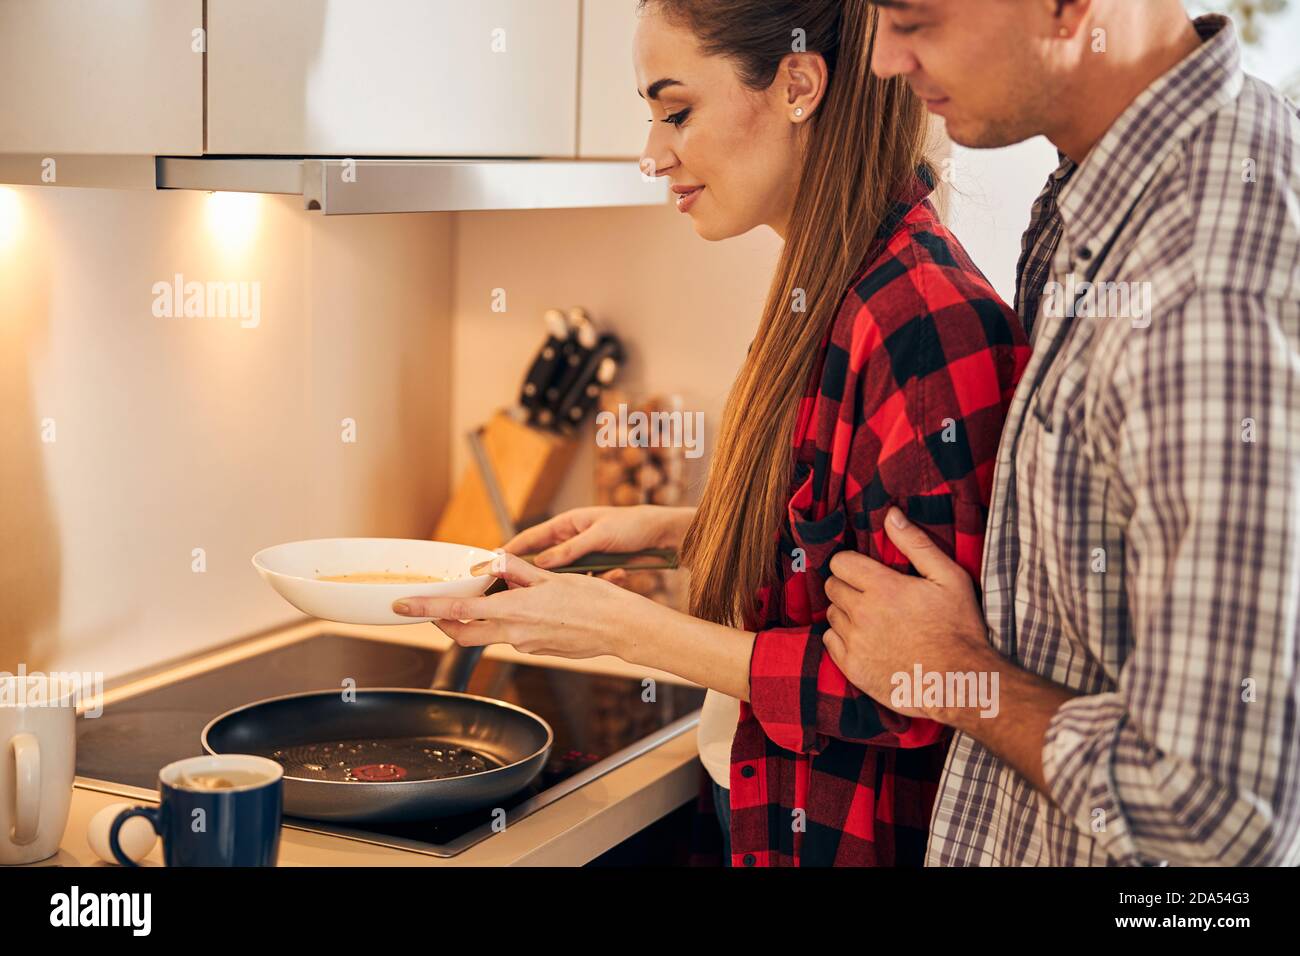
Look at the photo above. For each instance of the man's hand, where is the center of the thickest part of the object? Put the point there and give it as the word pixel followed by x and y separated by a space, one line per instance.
pixel 883 623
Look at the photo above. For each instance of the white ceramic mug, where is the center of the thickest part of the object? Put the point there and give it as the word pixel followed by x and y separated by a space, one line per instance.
pixel 38 761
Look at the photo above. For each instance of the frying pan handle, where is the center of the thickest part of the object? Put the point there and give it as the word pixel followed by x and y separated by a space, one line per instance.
pixel 456 665
pixel 598 562
pixel 455 668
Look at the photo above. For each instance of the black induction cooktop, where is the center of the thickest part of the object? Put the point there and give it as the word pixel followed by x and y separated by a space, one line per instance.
pixel 599 721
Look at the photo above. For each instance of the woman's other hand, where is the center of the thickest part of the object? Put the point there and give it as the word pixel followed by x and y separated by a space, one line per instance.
pixel 581 531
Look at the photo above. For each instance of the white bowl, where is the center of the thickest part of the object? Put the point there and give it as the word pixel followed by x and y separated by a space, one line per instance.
pixel 294 571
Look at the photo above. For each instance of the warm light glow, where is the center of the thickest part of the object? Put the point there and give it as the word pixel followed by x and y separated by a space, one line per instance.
pixel 233 218
pixel 11 216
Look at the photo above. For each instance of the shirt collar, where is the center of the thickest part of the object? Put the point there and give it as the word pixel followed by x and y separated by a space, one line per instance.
pixel 912 193
pixel 1099 194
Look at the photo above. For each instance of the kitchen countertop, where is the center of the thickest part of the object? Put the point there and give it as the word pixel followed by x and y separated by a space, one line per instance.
pixel 572 831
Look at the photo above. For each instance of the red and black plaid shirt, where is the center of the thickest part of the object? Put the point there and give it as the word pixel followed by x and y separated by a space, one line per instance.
pixel 915 379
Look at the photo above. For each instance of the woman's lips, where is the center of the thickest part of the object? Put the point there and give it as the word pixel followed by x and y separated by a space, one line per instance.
pixel 687 196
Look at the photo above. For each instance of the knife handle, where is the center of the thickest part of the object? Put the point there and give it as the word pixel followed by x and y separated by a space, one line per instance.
pixel 599 369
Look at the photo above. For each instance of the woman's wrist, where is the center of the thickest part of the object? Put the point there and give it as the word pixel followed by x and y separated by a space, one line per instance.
pixel 676 521
pixel 701 652
pixel 634 636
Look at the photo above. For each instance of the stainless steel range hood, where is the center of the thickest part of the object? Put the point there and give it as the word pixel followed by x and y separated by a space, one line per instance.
pixel 340 187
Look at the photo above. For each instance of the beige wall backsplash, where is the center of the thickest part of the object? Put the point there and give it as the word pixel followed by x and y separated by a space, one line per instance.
pixel 131 439
pixel 685 308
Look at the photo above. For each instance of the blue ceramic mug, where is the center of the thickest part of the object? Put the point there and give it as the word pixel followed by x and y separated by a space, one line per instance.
pixel 215 811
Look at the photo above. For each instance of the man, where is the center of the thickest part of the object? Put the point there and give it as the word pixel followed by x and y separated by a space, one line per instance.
pixel 1141 570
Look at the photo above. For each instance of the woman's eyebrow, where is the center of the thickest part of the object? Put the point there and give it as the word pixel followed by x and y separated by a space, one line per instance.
pixel 657 87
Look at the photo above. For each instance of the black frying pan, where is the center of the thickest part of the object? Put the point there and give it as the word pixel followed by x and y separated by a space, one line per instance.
pixel 399 754
pixel 388 755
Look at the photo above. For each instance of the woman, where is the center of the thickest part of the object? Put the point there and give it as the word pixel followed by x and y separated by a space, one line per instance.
pixel 880 375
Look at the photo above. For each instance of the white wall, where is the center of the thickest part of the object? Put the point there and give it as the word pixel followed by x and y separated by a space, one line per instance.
pixel 993 191
pixel 178 433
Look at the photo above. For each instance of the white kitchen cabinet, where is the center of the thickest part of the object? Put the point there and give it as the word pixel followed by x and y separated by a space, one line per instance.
pixel 101 77
pixel 393 77
pixel 613 118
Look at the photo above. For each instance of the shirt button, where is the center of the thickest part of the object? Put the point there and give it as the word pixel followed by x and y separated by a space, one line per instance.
pixel 1085 253
pixel 749 859
pixel 747 771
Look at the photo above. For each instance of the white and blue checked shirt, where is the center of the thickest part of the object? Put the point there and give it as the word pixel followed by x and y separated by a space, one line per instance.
pixel 1143 545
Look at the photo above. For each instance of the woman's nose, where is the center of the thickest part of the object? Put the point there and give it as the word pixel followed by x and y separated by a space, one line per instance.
pixel 656 158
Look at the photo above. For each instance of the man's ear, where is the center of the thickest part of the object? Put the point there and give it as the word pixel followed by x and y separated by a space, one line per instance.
pixel 1068 15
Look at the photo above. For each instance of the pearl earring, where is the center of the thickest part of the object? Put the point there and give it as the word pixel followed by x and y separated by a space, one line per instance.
pixel 798 111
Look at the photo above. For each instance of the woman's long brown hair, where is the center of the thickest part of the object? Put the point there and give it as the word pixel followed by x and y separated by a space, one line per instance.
pixel 866 143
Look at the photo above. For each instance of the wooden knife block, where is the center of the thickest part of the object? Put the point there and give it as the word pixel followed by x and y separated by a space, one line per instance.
pixel 529 465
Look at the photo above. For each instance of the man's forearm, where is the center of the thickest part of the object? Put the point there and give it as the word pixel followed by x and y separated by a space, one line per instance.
pixel 1026 705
